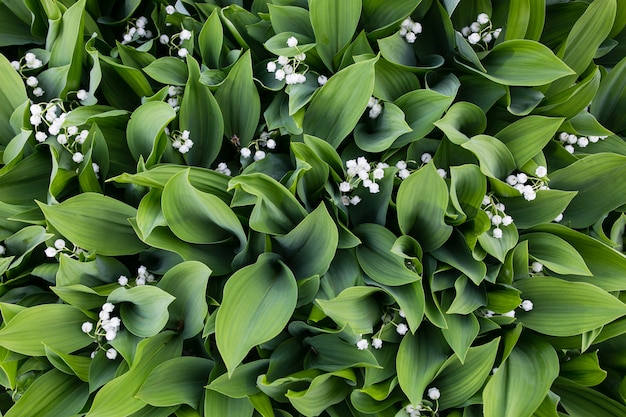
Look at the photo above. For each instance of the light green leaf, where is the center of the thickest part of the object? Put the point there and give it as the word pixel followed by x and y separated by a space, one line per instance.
pixel 167 70
pixel 555 253
pixel 12 95
pixel 85 218
pixel 496 161
pixel 176 381
pixel 457 254
pixel 216 405
pixel 584 369
pixel 522 62
pixel 462 121
pixel 35 327
pixel 187 282
pixel 211 40
pixel 334 24
pixel 428 191
pixel 310 247
pixel 52 394
pixel 460 333
pixel 354 306
pixel 335 110
pixel 389 126
pixel 526 137
pixel 198 217
pixel 259 300
pixel 610 98
pixel 200 114
pixel 324 391
pixel 144 308
pixel 581 306
pixel 521 383
pixel 545 207
pixel 242 382
pixel 145 137
pixel 379 14
pixel 581 401
pixel 290 19
pixel 525 20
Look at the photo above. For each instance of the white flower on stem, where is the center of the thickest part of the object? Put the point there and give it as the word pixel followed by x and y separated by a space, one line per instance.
pixel 122 280
pixel 30 57
pixel 558 218
pixel 355 200
pixel 184 35
pixel 141 22
pixel 563 136
pixel 108 307
pixel 582 142
pixel 526 305
pixel 475 27
pixel 82 94
pixel 594 139
pixel 344 187
pixel 410 37
pixel 127 38
pixel 59 244
pixel 223 168
pixel 271 66
pixel 486 200
pixel 442 173
pixel 62 139
pixel 569 148
pixel 402 329
pixel 541 171
pixel 283 60
pixel 111 353
pixel 87 327
pixel 530 195
pixel 183 149
pixel 72 130
pixel 511 180
pixel 496 220
pixel 404 173
pixel 292 42
pixel 15 65
pixel 426 157
pixel 38 92
pixel 288 69
pixel 258 155
pixel 496 33
pixel 377 343
pixel 362 344
pixel 169 9
pixel 433 393
pixel 35 109
pixel 164 39
pixel 300 57
pixel 522 178
pixel 140 281
pixel 474 38
pixel 321 80
pixel 279 75
pixel 497 233
pixel 378 173
pixel 245 152
pixel 483 18
pixel 271 144
pixel 401 165
pixel 572 139
pixel 466 31
pixel 40 136
pixel 509 314
pixel 374 188
pixel 50 252
pixel 345 200
pixel 375 111
pixel 507 220
pixel 78 157
pixel 32 81
pixel 416 28
pixel 401 313
pixel 182 52
pixel 536 267
pixel 35 120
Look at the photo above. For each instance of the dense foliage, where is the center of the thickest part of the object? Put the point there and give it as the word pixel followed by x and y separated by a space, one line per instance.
pixel 301 208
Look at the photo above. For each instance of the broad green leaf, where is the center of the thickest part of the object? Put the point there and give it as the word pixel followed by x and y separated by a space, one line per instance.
pixel 85 218
pixel 35 327
pixel 545 207
pixel 556 254
pixel 496 160
pixel 461 333
pixel 324 391
pixel 354 306
pixel 216 405
pixel 598 193
pixel 200 114
pixel 334 24
pixel 458 381
pixel 198 217
pixel 379 14
pixel 389 126
pixel 467 189
pixel 573 100
pixel 420 357
pixel 276 210
pixel 26 181
pixel 24 241
pixel 581 306
pixel 70 364
pixel 526 137
pixel 143 308
pixel 259 300
pixel 584 370
pixel 522 62
pixel 187 282
pixel 335 110
pixel 145 137
pixel 525 20
pixel 119 396
pixel 12 95
pixel 428 191
pixel 242 382
pixel 468 297
pixel 610 98
pixel 291 19
pixel 392 81
pixel 462 121
pixel 457 254
pixel 310 247
pixel 176 381
pixel 581 401
pixel 211 40
pixel 167 70
pixel 377 259
pixel 499 247
pixel 411 299
pixel 521 383
pixel 52 394
pixel 239 101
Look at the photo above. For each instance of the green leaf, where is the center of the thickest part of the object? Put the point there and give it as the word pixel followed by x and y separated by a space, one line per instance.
pixel 211 40
pixel 276 210
pixel 461 333
pixel 354 306
pixel 458 382
pixel 525 20
pixel 239 101
pixel 200 114
pixel 216 404
pixel 522 62
pixel 584 370
pixel 290 19
pixel 377 259
pixel 334 24
pixel 167 70
pixel 145 137
pixel 12 95
pixel 420 357
pixel 581 401
pixel 198 217
pixel 598 192
pixel 310 247
pixel 242 382
pixel 457 254
pixel 35 327
pixel 389 126
pixel 258 302
pixel 428 191
pixel 526 137
pixel 521 383
pixel 581 306
pixel 611 97
pixel 52 394
pixel 545 207
pixel 185 378
pixel 379 14
pixel 335 110
pixel 85 218
pixel 187 282
pixel 462 121
pixel 496 161
pixel 144 309
pixel 324 391
pixel 556 254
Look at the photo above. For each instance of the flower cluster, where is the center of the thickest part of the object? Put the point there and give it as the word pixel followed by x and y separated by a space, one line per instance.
pixel 410 29
pixel 265 141
pixel 104 331
pixel 528 185
pixel 30 62
pixel 174 93
pixel 569 140
pixel 495 212
pixel 180 141
pixel 433 394
pixel 403 169
pixel 489 314
pixel 426 158
pixel 47 121
pixel 182 36
pixel 59 246
pixel 285 68
pixel 377 341
pixel 375 108
pixel 136 31
pixel 359 171
pixel 481 31
pixel 143 276
pixel 526 305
